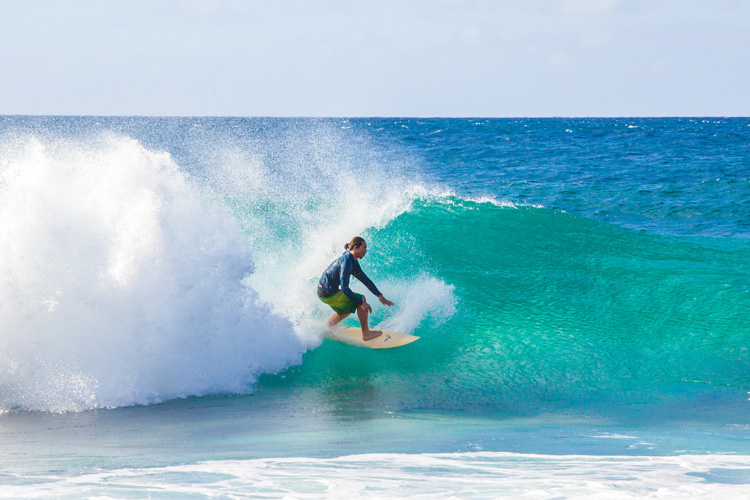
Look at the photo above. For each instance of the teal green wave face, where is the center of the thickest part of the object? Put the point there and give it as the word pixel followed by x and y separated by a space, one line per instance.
pixel 551 309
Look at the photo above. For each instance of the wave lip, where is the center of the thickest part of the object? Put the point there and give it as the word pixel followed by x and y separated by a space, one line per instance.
pixel 121 283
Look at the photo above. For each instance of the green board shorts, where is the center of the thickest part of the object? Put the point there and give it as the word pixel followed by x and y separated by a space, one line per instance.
pixel 340 303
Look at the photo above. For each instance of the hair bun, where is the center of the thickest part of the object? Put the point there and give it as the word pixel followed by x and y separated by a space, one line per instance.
pixel 356 242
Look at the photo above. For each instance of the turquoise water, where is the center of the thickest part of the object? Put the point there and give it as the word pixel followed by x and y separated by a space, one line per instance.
pixel 580 287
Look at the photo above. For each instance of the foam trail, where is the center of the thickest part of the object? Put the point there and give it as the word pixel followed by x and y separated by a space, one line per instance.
pixel 120 284
pixel 440 476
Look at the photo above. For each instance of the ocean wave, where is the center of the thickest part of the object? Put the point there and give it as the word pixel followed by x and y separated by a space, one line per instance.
pixel 549 309
pixel 134 277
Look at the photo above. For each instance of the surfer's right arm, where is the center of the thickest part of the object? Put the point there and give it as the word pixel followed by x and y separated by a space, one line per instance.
pixel 384 301
pixel 361 276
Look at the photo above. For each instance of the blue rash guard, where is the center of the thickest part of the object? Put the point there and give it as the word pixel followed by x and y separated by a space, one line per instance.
pixel 338 273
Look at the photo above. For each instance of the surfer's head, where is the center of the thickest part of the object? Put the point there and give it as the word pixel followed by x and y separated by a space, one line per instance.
pixel 357 246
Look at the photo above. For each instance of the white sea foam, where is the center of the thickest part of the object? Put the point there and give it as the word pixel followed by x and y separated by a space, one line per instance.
pixel 451 198
pixel 120 284
pixel 421 298
pixel 433 476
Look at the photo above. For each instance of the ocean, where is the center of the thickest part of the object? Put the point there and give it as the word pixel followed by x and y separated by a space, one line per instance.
pixel 581 288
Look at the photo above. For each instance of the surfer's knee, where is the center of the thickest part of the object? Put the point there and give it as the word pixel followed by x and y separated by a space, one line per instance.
pixel 336 318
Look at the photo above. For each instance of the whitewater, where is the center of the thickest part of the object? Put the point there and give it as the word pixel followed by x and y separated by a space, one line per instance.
pixel 580 287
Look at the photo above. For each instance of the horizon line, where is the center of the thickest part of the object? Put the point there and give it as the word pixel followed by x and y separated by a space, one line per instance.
pixel 381 117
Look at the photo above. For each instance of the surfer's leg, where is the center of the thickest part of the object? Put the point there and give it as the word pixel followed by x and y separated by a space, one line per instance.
pixel 367 334
pixel 336 319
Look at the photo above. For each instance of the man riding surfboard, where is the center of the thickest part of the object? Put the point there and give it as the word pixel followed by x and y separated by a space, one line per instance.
pixel 333 288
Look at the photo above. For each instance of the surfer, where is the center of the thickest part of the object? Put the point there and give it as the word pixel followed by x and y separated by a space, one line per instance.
pixel 333 288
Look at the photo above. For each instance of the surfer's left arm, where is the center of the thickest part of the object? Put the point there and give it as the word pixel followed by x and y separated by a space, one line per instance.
pixel 361 276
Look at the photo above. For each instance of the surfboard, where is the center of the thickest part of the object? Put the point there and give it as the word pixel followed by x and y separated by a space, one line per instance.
pixel 353 336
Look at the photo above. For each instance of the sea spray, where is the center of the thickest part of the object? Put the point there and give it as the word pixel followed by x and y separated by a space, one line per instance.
pixel 130 281
pixel 120 284
pixel 300 197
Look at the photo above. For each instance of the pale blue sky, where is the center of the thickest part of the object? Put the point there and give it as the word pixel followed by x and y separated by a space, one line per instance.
pixel 375 58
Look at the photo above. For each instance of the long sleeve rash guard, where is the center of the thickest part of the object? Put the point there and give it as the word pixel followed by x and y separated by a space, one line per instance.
pixel 338 273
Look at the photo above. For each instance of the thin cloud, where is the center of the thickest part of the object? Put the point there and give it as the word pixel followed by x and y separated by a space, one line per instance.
pixel 588 6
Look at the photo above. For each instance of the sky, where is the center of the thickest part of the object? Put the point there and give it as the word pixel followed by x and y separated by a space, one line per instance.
pixel 350 58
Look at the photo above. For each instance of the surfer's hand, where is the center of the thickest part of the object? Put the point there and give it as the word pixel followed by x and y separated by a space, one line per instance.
pixel 385 301
pixel 368 307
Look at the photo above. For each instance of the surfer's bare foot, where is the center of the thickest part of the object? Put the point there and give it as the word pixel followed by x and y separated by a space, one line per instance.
pixel 371 334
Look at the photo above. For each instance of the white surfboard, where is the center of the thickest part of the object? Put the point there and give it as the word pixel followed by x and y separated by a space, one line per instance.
pixel 353 336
